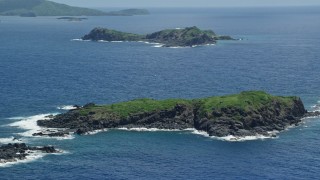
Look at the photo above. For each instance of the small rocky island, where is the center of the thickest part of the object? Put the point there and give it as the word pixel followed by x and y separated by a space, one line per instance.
pixel 72 18
pixel 189 36
pixel 20 151
pixel 249 113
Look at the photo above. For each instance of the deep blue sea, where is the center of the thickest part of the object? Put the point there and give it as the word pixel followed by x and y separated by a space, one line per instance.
pixel 43 68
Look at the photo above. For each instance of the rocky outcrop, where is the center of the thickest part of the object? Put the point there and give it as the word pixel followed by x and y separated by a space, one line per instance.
pixel 189 36
pixel 238 122
pixel 271 114
pixel 20 151
pixel 180 117
pixel 103 34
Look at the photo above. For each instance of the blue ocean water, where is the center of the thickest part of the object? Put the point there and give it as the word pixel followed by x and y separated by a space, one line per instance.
pixel 42 68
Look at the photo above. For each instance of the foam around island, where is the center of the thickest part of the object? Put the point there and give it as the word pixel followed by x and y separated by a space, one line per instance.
pixel 248 113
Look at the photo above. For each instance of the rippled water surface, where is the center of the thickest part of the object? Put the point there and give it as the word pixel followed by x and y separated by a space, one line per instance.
pixel 42 69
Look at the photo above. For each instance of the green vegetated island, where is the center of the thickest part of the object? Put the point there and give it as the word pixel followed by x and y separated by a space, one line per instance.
pixel 32 8
pixel 249 113
pixel 180 37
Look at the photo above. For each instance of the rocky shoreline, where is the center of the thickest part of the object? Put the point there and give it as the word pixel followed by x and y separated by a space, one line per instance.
pixel 20 151
pixel 256 118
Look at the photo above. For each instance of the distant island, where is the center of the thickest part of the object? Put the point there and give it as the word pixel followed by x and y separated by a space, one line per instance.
pixel 72 18
pixel 249 113
pixel 128 12
pixel 189 36
pixel 33 8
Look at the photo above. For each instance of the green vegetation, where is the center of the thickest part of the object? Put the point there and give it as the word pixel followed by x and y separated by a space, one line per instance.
pixel 43 8
pixel 183 37
pixel 31 8
pixel 248 100
pixel 112 35
pixel 125 109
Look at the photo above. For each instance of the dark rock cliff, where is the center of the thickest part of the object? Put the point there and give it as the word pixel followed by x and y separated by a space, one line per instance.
pixel 275 114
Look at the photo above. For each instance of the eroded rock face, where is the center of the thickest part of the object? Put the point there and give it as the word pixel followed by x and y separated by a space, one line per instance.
pixel 219 122
pixel 237 122
pixel 180 117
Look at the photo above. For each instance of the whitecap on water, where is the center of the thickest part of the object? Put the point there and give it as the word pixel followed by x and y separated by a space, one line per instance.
pixel 79 40
pixel 30 125
pixel 34 155
pixel 179 47
pixel 16 118
pixel 67 107
pixel 316 107
pixel 157 46
pixel 96 131
pixel 148 129
pixel 9 140
pixel 232 138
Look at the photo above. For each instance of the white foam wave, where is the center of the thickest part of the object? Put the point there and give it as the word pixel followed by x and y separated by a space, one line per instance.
pixel 30 124
pixel 96 131
pixel 33 155
pixel 157 46
pixel 16 118
pixel 68 137
pixel 9 140
pixel 146 42
pixel 111 41
pixel 79 40
pixel 310 117
pixel 53 130
pixel 176 47
pixel 59 138
pixel 142 129
pixel 67 107
pixel 232 138
pixel 179 47
pixel 316 107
